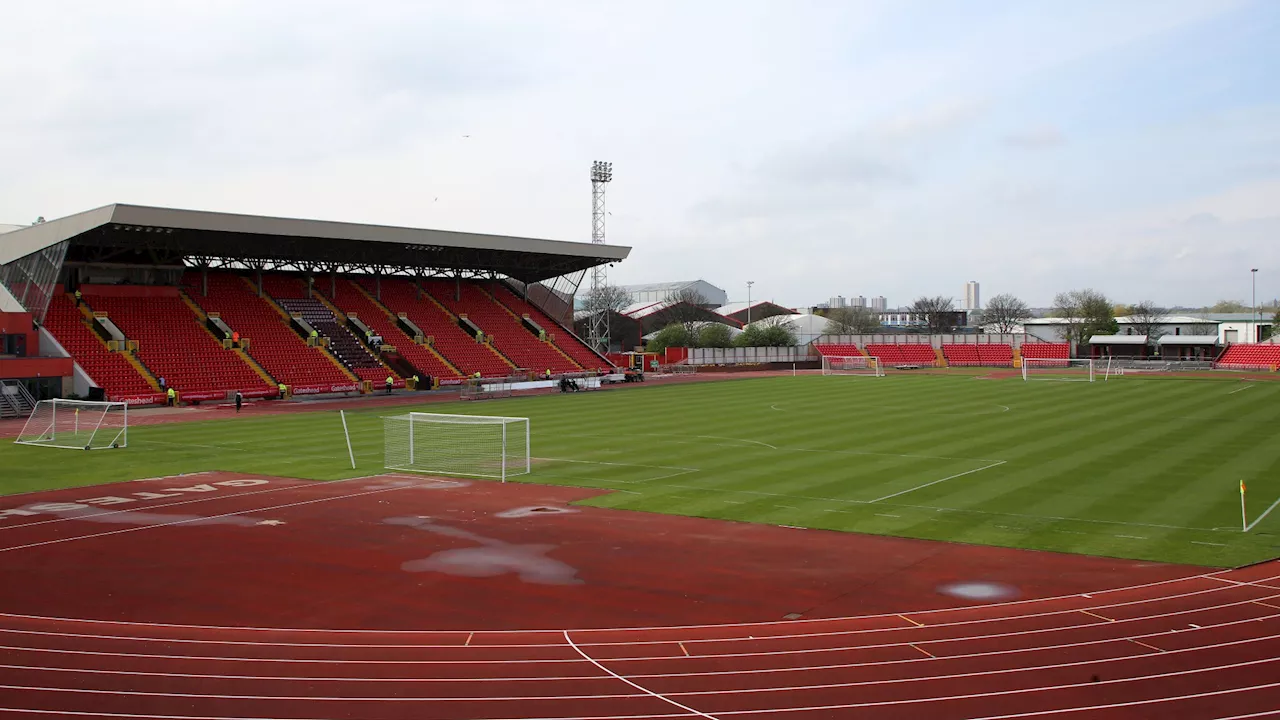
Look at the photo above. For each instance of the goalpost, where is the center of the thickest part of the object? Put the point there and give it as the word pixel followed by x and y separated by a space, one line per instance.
pixel 469 445
pixel 1061 369
pixel 77 425
pixel 852 365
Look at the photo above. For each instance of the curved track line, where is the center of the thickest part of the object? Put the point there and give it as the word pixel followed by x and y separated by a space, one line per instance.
pixel 641 688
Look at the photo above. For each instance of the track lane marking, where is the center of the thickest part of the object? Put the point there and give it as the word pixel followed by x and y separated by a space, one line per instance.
pixel 635 685
pixel 963 638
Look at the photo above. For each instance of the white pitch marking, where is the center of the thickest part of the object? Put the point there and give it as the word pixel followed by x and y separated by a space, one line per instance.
pixel 1246 387
pixel 935 482
pixel 887 515
pixel 635 685
pixel 1132 537
pixel 1265 513
pixel 753 442
pixel 775 407
pixel 1197 542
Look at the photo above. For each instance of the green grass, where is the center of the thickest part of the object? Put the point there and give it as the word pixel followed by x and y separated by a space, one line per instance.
pixel 1135 468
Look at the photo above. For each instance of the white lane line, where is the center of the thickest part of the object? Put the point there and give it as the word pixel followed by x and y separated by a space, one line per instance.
pixel 955 659
pixel 644 643
pixel 635 685
pixel 935 482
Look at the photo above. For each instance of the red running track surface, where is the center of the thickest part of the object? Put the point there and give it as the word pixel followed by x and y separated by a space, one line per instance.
pixel 212 596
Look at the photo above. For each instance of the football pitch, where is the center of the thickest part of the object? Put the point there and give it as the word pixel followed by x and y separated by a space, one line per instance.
pixel 1144 468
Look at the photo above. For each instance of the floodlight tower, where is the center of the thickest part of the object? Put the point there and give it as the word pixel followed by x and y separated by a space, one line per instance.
pixel 598 331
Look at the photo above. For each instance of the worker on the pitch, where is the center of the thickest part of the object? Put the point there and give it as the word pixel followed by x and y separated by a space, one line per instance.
pixel 172 396
pixel 284 390
pixel 390 381
pixel 239 401
pixel 548 375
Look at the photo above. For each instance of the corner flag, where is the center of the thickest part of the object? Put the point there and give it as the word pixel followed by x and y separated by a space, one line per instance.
pixel 1244 521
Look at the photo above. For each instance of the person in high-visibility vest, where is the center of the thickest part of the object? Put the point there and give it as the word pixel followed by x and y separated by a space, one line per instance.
pixel 284 390
pixel 548 373
pixel 315 337
pixel 390 381
pixel 477 375
pixel 416 386
pixel 173 397
pixel 79 298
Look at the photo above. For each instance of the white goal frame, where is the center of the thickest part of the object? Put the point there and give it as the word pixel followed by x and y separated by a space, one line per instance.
pixel 484 446
pixel 76 425
pixel 852 365
pixel 1070 369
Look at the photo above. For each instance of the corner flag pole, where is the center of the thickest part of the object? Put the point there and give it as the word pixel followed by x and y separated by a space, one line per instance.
pixel 345 433
pixel 1244 523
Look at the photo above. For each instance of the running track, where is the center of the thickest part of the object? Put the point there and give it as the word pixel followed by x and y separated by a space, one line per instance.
pixel 1200 646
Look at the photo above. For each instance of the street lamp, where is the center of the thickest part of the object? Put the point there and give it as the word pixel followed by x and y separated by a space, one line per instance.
pixel 749 284
pixel 1257 336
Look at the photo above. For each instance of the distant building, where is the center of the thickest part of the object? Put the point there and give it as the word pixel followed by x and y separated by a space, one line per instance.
pixel 660 292
pixel 858 301
pixel 972 301
pixel 879 304
pixel 838 301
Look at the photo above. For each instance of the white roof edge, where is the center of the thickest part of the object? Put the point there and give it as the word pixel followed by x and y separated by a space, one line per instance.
pixel 1188 340
pixel 23 242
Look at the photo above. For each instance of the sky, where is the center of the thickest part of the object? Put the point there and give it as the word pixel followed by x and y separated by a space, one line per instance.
pixel 895 148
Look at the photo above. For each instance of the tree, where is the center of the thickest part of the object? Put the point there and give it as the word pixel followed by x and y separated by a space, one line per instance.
pixel 715 335
pixel 673 335
pixel 686 308
pixel 1229 306
pixel 1146 318
pixel 936 312
pixel 852 321
pixel 776 331
pixel 1086 313
pixel 1275 325
pixel 609 299
pixel 1005 312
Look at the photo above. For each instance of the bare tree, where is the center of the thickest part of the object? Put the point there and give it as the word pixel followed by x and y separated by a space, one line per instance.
pixel 937 312
pixel 1086 313
pixel 686 308
pixel 852 321
pixel 606 297
pixel 1005 312
pixel 1146 318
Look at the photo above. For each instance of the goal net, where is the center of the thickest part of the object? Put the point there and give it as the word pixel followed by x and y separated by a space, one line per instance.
pixel 468 445
pixel 77 425
pixel 1064 369
pixel 852 365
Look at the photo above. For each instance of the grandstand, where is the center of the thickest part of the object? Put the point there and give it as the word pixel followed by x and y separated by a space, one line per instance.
pixel 176 285
pixel 1263 356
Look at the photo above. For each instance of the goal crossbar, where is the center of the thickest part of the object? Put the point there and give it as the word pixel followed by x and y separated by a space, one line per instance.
pixel 77 425
pixel 1060 369
pixel 852 365
pixel 487 446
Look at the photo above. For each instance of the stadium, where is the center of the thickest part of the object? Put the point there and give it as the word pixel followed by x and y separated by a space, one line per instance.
pixel 270 467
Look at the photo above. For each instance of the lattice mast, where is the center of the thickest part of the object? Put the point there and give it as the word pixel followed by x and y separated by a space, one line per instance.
pixel 598 331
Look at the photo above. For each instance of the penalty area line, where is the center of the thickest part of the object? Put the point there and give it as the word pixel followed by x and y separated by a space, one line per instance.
pixel 935 482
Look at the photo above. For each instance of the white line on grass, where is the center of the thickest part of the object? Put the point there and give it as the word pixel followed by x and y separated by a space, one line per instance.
pixel 1246 387
pixel 935 482
pixel 1197 542
pixel 1258 519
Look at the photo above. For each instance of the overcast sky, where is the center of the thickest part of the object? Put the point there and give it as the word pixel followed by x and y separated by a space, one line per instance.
pixel 892 148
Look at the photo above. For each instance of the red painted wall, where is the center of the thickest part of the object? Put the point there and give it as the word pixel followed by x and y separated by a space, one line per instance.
pixel 35 367
pixel 20 324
